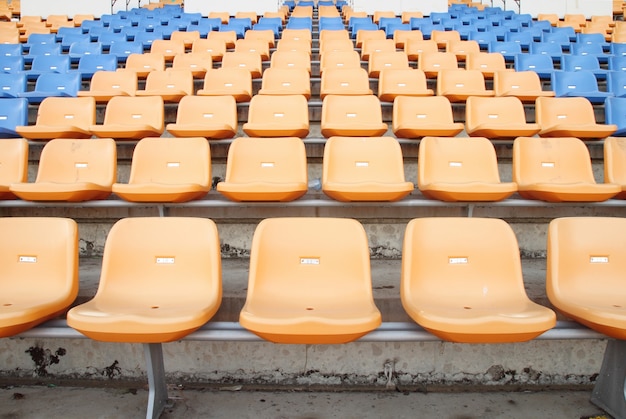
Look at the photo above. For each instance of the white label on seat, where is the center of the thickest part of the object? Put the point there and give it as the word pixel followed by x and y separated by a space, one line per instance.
pixel 350 115
pixel 455 164
pixel 571 86
pixel 290 64
pixel 483 66
pixel 387 64
pixel 362 163
pixel 344 84
pixel 515 86
pixel 547 164
pixel 420 116
pixel 69 116
pixel 532 66
pixel 164 260
pixel 436 65
pixel 146 66
pixel 193 65
pixel 27 259
pixel 99 67
pixel 401 84
pixel 309 261
pixel 53 67
pixel 577 67
pixel 115 86
pixel 286 84
pixel 267 164
pixel 228 85
pixel 457 260
pixel 459 85
pixel 173 164
pixel 561 116
pixel 3 117
pixel 6 88
pixel 207 115
pixel 136 116
pixel 60 87
pixel 6 68
pixel 492 116
pixel 278 115
pixel 599 259
pixel 171 86
pixel 242 65
pixel 81 165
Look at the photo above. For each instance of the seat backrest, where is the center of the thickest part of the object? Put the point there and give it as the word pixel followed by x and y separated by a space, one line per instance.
pixel 551 111
pixel 380 61
pixel 351 109
pixel 427 109
pixel 135 110
pixel 292 33
pixel 443 38
pixel 615 160
pixel 551 160
pixel 92 63
pixel 376 45
pixel 63 111
pixel 571 82
pixel 456 160
pixel 207 109
pixel 339 59
pixel 39 271
pixel 13 163
pixel 364 35
pixel 516 82
pixel 401 37
pixel 614 111
pixel 188 37
pixel 407 80
pixel 215 47
pixel 462 48
pixel 168 48
pixel 162 260
pixel 493 110
pixel 71 161
pixel 287 109
pixel 250 61
pixel 533 62
pixel 124 82
pixel 276 160
pixel 486 62
pixel 334 45
pixel 291 59
pixel 171 161
pixel 11 85
pixel 55 63
pixel 362 159
pixel 196 62
pixel 253 45
pixel 144 63
pixel 281 81
pixel 344 81
pixel 433 62
pixel 265 35
pixel 170 80
pixel 225 79
pixel 460 81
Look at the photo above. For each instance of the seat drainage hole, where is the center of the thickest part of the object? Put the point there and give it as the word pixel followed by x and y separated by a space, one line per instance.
pixel 467 308
pixel 154 307
pixel 7 304
pixel 617 306
pixel 310 309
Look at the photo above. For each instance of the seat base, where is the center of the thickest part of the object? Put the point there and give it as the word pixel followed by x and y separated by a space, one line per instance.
pixel 326 339
pixel 429 131
pixel 159 193
pixel 609 393
pixel 367 191
pixel 223 131
pixel 469 192
pixel 484 337
pixel 46 191
pixel 583 132
pixel 262 192
pixel 570 193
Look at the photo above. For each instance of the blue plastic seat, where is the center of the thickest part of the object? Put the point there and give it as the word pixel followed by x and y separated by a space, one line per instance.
pixel 122 50
pixel 539 63
pixel 146 38
pixel 616 83
pixel 205 25
pixel 525 19
pixel 578 84
pixel 569 31
pixel 428 28
pixel 331 23
pixel 437 17
pixel 240 30
pixel 108 38
pixel 79 49
pixel 618 49
pixel 43 64
pixel 39 38
pixel 391 28
pixel 590 63
pixel 54 84
pixel 89 64
pixel 615 114
pixel 524 38
pixel 10 50
pixel 508 49
pixel 384 22
pixel 12 64
pixel 246 22
pixel 11 85
pixel 593 38
pixel 41 49
pixel 590 49
pixel 13 113
pixel 362 26
pixel 355 20
pixel 551 49
pixel 483 38
pixel 559 38
pixel 544 25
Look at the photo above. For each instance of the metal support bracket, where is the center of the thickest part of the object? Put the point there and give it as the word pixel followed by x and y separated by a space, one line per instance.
pixel 157 396
pixel 609 393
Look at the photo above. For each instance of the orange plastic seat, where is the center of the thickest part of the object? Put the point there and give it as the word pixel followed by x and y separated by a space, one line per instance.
pixel 585 272
pixel 615 163
pixel 250 61
pixel 460 169
pixel 13 164
pixel 414 47
pixel 382 13
pixel 401 37
pixel 458 85
pixel 364 169
pixel 211 117
pixel 244 14
pixel 416 117
pixel 196 62
pixel 462 281
pixel 444 38
pixel 144 64
pixel 337 45
pixel 345 81
pixel 407 15
pixel 553 18
pixel 38 272
pixel 290 45
pixel 569 116
pixel 215 47
pixel 171 85
pixel 266 36
pixel 258 46
pixel 291 59
pixel 486 62
pixel 394 82
pixel 352 116
pixel 235 82
pixel 363 35
pixel 265 169
pixel 310 282
pixel 431 63
pixel 132 118
pixel 188 37
pixel 168 170
pixel 61 117
pixel 107 84
pixel 380 61
pixel 371 46
pixel 286 81
pixel 327 35
pixel 277 116
pixel 342 60
pixel 73 171
pixel 497 117
pixel 169 48
pixel 462 48
pixel 557 170
pixel 227 37
pixel 524 85
pixel 297 34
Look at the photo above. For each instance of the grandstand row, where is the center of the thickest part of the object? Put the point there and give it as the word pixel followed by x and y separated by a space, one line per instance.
pixel 312 194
